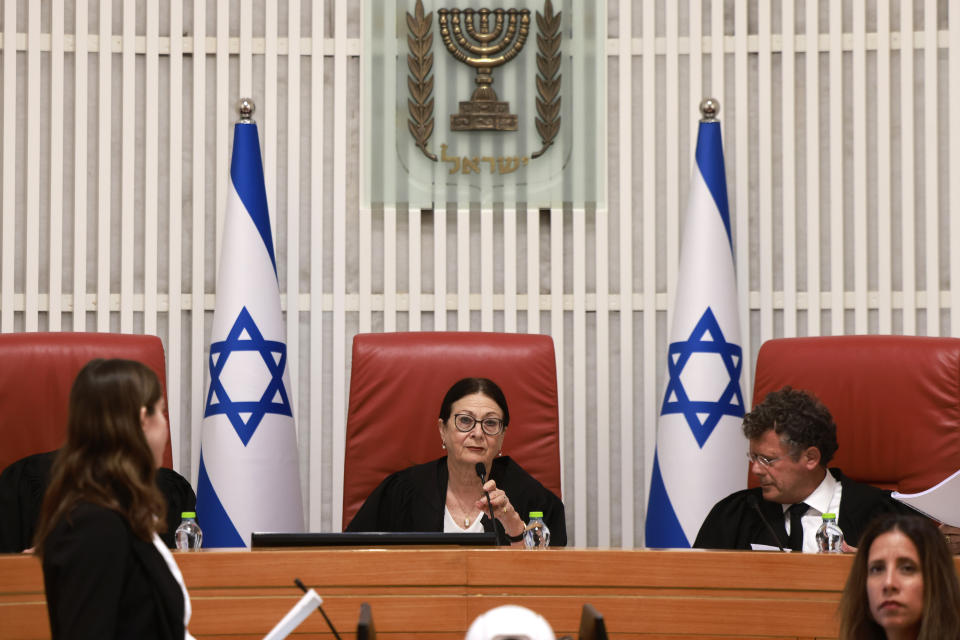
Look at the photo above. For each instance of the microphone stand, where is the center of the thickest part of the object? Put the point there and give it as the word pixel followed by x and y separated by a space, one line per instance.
pixel 482 472
pixel 322 612
pixel 752 499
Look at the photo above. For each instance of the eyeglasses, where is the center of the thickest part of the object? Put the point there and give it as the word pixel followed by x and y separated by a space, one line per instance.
pixel 490 426
pixel 762 460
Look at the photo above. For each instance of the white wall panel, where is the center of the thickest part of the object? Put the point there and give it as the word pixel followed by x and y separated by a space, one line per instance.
pixel 115 155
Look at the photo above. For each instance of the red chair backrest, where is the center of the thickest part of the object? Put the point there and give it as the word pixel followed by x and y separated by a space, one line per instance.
pixel 398 381
pixel 895 400
pixel 37 371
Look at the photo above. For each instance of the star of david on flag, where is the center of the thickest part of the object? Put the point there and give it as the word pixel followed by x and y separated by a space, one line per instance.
pixel 245 415
pixel 249 478
pixel 699 441
pixel 706 341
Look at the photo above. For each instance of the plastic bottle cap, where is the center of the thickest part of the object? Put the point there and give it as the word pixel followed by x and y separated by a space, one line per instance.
pixel 829 516
pixel 188 514
pixel 536 514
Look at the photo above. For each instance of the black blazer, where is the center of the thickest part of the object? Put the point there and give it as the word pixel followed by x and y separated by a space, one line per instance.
pixel 104 582
pixel 414 499
pixel 734 524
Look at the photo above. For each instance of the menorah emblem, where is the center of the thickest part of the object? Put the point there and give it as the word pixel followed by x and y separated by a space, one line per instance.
pixel 487 47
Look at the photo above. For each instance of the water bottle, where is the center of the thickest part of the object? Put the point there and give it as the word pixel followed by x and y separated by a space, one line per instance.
pixel 189 537
pixel 829 535
pixel 537 535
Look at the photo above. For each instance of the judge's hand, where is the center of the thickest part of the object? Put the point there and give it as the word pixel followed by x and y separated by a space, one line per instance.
pixel 502 509
pixel 952 536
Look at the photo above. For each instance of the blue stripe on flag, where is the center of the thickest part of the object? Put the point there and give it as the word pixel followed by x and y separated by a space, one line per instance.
pixel 218 529
pixel 246 172
pixel 710 162
pixel 663 530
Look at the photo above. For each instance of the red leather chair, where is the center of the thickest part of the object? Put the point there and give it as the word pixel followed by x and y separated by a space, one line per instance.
pixel 36 373
pixel 895 400
pixel 398 381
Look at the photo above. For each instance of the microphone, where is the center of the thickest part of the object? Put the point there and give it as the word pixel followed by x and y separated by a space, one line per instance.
pixel 755 504
pixel 482 473
pixel 303 588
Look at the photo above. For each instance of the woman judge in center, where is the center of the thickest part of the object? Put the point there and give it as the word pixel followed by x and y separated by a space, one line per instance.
pixel 447 494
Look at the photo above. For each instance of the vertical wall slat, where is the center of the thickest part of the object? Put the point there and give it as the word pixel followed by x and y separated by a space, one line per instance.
pixel 742 183
pixel 626 391
pixel 557 330
pixel 32 217
pixel 316 479
pixel 178 412
pixel 533 268
pixel 127 166
pixel 884 179
pixel 764 166
pixel 486 269
pixel 200 350
pixel 931 162
pixel 836 132
pixel 602 385
pixel 80 169
pixel 579 354
pixel 292 250
pixel 462 243
pixel 364 258
pixel 859 118
pixel 788 61
pixel 651 403
pixel 812 153
pixel 57 162
pixel 390 268
pixel 339 252
pixel 415 303
pixel 673 129
pixel 440 212
pixel 151 177
pixel 510 267
pixel 269 117
pixel 9 165
pixel 953 64
pixel 225 118
pixel 908 207
pixel 104 162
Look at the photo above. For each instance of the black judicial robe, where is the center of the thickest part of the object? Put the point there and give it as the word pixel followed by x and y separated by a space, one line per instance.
pixel 414 500
pixel 101 581
pixel 734 524
pixel 24 483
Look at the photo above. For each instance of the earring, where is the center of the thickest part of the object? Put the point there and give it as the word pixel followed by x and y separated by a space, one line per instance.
pixel 443 445
pixel 500 453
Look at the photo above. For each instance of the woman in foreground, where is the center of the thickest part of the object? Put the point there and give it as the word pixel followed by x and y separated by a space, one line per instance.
pixel 903 584
pixel 106 572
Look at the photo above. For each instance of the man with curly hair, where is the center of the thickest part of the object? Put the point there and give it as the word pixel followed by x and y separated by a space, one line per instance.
pixel 792 439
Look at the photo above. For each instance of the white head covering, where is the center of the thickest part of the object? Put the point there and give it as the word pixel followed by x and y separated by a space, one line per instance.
pixel 510 622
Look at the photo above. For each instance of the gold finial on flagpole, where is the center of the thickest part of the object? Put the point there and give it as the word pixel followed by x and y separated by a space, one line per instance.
pixel 246 107
pixel 709 108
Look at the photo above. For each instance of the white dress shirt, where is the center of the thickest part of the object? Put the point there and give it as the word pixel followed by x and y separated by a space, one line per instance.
pixel 824 499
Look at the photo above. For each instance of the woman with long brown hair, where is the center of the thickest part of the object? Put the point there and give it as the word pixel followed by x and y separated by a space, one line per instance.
pixel 902 585
pixel 105 570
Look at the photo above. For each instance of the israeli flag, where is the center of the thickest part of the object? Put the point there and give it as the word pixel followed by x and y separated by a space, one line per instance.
pixel 249 476
pixel 700 448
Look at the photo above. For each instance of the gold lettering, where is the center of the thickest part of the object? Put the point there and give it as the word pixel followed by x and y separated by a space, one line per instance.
pixel 492 161
pixel 471 163
pixel 445 158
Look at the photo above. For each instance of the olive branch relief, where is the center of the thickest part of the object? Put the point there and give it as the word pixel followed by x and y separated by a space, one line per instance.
pixel 548 78
pixel 420 80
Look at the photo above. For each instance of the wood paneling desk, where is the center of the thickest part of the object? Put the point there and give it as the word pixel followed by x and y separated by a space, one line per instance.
pixel 435 593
